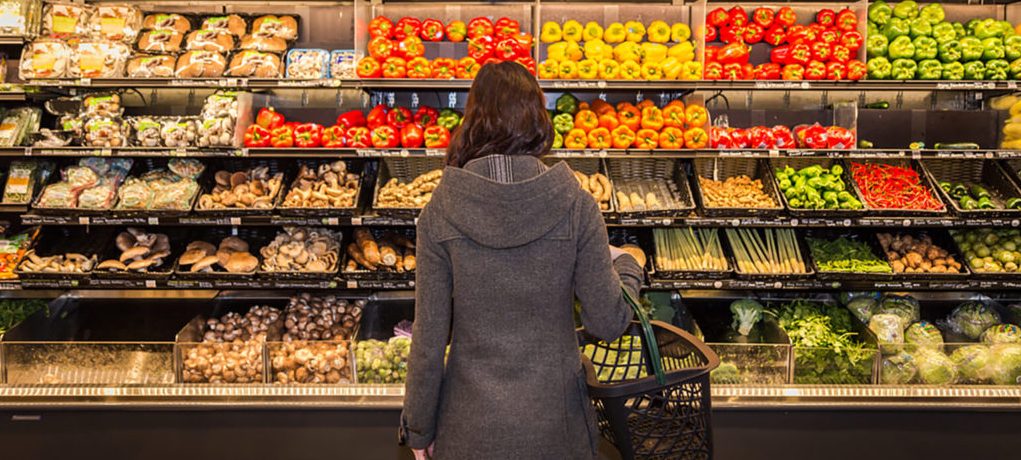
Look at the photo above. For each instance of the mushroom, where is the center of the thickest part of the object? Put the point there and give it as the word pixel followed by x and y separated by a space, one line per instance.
pixel 192 256
pixel 134 253
pixel 111 264
pixel 205 264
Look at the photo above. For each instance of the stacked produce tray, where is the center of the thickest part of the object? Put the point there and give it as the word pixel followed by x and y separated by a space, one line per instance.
pixel 721 169
pixel 662 177
pixel 863 240
pixel 355 167
pixel 924 181
pixel 405 170
pixel 799 164
pixel 987 176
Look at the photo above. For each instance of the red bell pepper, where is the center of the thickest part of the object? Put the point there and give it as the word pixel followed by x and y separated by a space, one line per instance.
pixel 798 34
pixel 369 67
pixel 783 137
pixel 256 136
pixel 738 16
pixel 852 40
pixel 793 72
pixel 739 137
pixel 813 31
pixel 821 51
pixel 358 137
pixel 763 17
pixel 761 137
pixel 506 28
pixel 394 67
pixel 713 71
pixel 841 54
pixel 269 118
pixel 733 53
pixel 381 26
pixel 780 54
pixel 385 137
pixel 838 137
pixel 407 27
pixel 333 137
pixel 377 116
pixel 480 48
pixel 308 135
pixel 711 34
pixel 411 47
pixel 815 70
pixel 718 17
pixel 775 36
pixel 411 136
pixel 456 31
pixel 711 52
pixel 527 62
pixel 350 119
pixel 444 68
pixel 507 49
pixel 399 117
pixel 381 48
pixel 432 30
pixel 752 33
pixel 847 20
pixel 719 138
pixel 467 68
pixel 436 137
pixel 811 137
pixel 829 36
pixel 491 60
pixel 426 116
pixel 480 27
pixel 733 71
pixel 731 34
pixel 767 71
pixel 282 137
pixel 419 68
pixel 856 70
pixel 799 54
pixel 785 17
pixel 826 17
pixel 836 71
pixel 524 41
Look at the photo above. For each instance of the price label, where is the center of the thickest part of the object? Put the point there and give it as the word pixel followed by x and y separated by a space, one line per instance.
pixel 333 221
pixel 416 221
pixel 352 284
pixel 356 221
pixel 28 151
pixel 83 220
pixel 150 284
pixel 154 220
pixel 794 222
pixel 906 222
pixel 735 222
pixel 235 221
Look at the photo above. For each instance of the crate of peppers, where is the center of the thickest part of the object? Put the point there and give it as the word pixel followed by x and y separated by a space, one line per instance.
pixel 895 187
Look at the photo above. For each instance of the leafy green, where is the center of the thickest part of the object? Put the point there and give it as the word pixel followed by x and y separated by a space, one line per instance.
pixel 846 255
pixel 726 374
pixel 14 311
pixel 747 313
pixel 825 349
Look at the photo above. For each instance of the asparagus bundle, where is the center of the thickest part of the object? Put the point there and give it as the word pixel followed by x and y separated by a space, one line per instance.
pixel 766 251
pixel 683 249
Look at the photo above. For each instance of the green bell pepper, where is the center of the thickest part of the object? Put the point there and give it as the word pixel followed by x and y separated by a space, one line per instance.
pixel 997 69
pixel 449 118
pixel 930 69
pixel 1007 28
pixel 906 10
pixel 901 47
pixel 925 48
pixel 975 70
pixel 563 123
pixel 567 103
pixel 971 49
pixel 876 45
pixel 950 51
pixel 1012 47
pixel 987 28
pixel 878 68
pixel 880 12
pixel 904 69
pixel 558 140
pixel 992 48
pixel 872 29
pixel 933 13
pixel 1015 69
pixel 971 25
pixel 943 32
pixel 896 27
pixel 953 71
pixel 920 27
pixel 960 30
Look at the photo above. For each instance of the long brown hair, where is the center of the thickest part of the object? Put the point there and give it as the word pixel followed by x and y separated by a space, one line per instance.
pixel 506 114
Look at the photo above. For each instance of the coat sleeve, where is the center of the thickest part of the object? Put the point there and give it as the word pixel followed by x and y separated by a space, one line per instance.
pixel 430 334
pixel 597 280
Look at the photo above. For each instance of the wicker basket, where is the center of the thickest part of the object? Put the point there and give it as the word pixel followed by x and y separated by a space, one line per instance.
pixel 723 168
pixel 866 237
pixel 939 238
pixel 923 177
pixel 660 176
pixel 989 174
pixel 799 163
pixel 275 166
pixel 404 170
pixel 256 239
pixel 587 166
pixel 383 274
pixel 355 167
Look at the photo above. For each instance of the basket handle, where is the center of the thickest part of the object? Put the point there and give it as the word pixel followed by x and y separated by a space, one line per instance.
pixel 648 337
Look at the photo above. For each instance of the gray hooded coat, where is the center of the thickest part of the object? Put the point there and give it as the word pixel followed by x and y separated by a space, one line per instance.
pixel 504 247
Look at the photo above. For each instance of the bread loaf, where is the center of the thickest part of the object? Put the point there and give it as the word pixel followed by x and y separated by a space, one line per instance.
pixel 269 26
pixel 167 21
pixel 209 40
pixel 160 41
pixel 200 64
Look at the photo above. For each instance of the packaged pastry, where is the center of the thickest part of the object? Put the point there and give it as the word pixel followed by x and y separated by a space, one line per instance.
pixel 145 131
pixel 308 64
pixel 178 131
pixel 221 104
pixel 160 41
pixel 98 59
pixel 102 105
pixel 117 22
pixel 232 24
pixel 200 64
pixel 216 132
pixel 254 64
pixel 166 21
pixel 104 132
pixel 209 40
pixel 342 64
pixel 143 66
pixel 63 20
pixel 267 44
pixel 44 58
pixel 270 26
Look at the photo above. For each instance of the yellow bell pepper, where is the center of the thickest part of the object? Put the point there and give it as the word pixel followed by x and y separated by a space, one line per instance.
pixel 635 31
pixel 1011 145
pixel 572 31
pixel 680 32
pixel 608 52
pixel 627 51
pixel 615 33
pixel 630 70
pixel 692 71
pixel 609 69
pixel 684 51
pixel 549 69
pixel 659 32
pixel 557 51
pixel 568 70
pixel 574 51
pixel 588 69
pixel 592 31
pixel 551 33
pixel 652 71
pixel 595 49
pixel 672 68
pixel 654 52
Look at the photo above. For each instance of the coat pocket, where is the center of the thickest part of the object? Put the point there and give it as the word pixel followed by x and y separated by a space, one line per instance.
pixel 587 409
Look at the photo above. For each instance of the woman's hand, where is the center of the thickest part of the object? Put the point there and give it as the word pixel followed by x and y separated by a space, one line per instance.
pixel 424 454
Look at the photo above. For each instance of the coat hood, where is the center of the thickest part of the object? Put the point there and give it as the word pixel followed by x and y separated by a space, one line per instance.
pixel 506 215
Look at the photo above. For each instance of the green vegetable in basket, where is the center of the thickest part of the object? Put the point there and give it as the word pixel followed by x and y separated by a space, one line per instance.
pixel 971 49
pixel 880 12
pixel 747 313
pixel 930 69
pixel 903 306
pixel 725 374
pixel 826 352
pixel 932 13
pixel 923 334
pixel 953 71
pixel 816 187
pixel 14 311
pixel 1001 333
pixel 1005 364
pixel 563 123
pixel 906 10
pixel 997 69
pixel 934 367
pixel 567 103
pixel 898 369
pixel 972 318
pixel 846 255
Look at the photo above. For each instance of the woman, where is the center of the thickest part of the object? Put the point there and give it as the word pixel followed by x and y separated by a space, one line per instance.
pixel 504 247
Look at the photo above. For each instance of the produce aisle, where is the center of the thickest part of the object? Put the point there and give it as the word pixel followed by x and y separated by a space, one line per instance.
pixel 209 209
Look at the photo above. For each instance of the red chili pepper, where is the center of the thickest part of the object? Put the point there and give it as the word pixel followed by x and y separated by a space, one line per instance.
pixel 886 186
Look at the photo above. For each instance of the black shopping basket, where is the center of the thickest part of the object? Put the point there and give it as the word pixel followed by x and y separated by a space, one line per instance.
pixel 652 402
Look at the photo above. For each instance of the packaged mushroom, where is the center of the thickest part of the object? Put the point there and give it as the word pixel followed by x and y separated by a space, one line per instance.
pixel 308 64
pixel 44 58
pixel 178 132
pixel 231 255
pixel 117 22
pixel 209 40
pixel 415 194
pixel 151 66
pixel 160 41
pixel 270 26
pixel 162 189
pixel 145 131
pixel 62 263
pixel 200 64
pixel 139 252
pixel 166 21
pixel 265 44
pixel 102 105
pixel 231 348
pixel 254 64
pixel 92 184
pixel 105 132
pixel 309 317
pixel 221 104
pixel 98 59
pixel 65 19
pixel 392 252
pixel 216 132
pixel 328 186
pixel 342 64
pixel 251 189
pixel 232 24
pixel 306 250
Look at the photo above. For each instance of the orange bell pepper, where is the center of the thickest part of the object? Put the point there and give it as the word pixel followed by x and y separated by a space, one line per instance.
pixel 599 138
pixel 629 116
pixel 621 105
pixel 673 116
pixel 623 137
pixel 676 102
pixel 583 106
pixel 696 116
pixel 601 107
pixel 586 120
pixel 608 121
pixel 652 118
pixel 645 103
pixel 576 139
pixel 696 138
pixel 646 139
pixel 671 138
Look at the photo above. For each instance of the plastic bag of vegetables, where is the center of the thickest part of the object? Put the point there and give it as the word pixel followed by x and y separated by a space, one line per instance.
pixel 904 306
pixel 889 330
pixel 863 306
pixel 973 363
pixel 897 369
pixel 1001 333
pixel 923 334
pixel 1005 364
pixel 934 367
pixel 972 318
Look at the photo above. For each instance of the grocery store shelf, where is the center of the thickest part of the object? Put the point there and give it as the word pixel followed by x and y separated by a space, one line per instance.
pixel 184 83
pixel 11 40
pixel 13 208
pixel 121 152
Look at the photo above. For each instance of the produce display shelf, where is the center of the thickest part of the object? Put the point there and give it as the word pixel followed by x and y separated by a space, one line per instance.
pixel 195 152
pixel 232 83
pixel 13 208
pixel 225 283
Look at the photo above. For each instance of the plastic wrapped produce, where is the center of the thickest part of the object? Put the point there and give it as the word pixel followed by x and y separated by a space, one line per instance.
pixel 44 58
pixel 98 59
pixel 221 104
pixel 158 190
pixel 972 318
pixel 100 196
pixel 161 66
pixel 923 334
pixel 215 132
pixel 308 64
pixel 1001 333
pixel 1005 364
pixel 66 19
pixel 282 27
pixel 58 195
pixel 160 41
pixel 254 64
pixel 118 22
pixel 166 21
pixel 105 132
pixel 185 167
pixel 265 44
pixel 16 124
pixel 232 24
pixel 382 362
pixel 342 64
pixel 889 330
pixel 973 363
pixel 102 105
pixel 209 40
pixel 145 131
pixel 934 367
pixel 863 307
pixel 897 369
pixel 904 306
pixel 178 132
pixel 18 17
pixel 200 64
pixel 22 177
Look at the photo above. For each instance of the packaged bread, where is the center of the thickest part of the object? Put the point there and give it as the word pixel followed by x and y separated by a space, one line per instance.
pixel 270 26
pixel 200 64
pixel 98 59
pixel 64 20
pixel 231 24
pixel 209 40
pixel 167 21
pixel 44 58
pixel 160 41
pixel 143 66
pixel 117 22
pixel 266 44
pixel 254 64
pixel 305 64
